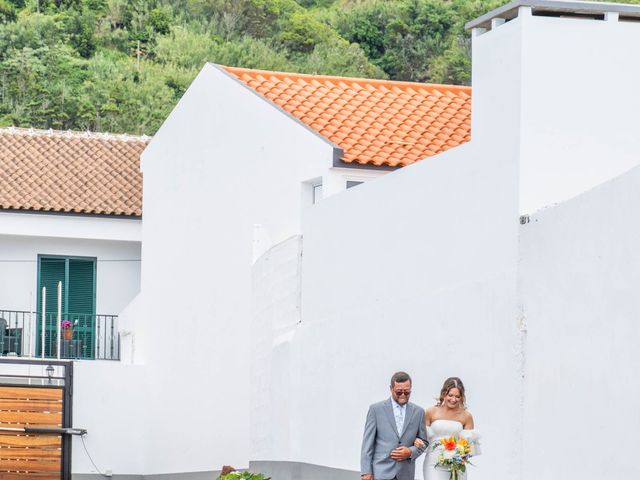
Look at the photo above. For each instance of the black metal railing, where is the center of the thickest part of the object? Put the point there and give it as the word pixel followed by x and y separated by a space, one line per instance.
pixel 66 335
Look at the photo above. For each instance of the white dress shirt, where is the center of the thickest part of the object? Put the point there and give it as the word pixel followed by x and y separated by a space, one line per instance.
pixel 399 412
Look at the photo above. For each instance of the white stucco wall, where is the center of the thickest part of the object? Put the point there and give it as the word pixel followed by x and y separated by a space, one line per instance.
pixel 88 227
pixel 224 161
pixel 105 399
pixel 276 301
pixel 117 269
pixel 580 274
pixel 416 270
pixel 424 270
pixel 578 105
pixel 108 404
pixel 336 178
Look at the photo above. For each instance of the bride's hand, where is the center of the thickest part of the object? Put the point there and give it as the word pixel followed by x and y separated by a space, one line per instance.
pixel 419 443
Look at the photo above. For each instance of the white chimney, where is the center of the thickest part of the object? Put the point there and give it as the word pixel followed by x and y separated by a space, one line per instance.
pixel 563 80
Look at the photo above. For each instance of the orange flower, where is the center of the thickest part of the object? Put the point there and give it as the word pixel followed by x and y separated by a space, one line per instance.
pixel 449 443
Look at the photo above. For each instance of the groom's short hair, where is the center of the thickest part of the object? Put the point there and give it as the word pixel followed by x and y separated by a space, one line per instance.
pixel 400 377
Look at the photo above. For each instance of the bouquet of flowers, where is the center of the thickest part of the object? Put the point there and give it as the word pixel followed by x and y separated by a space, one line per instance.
pixel 454 455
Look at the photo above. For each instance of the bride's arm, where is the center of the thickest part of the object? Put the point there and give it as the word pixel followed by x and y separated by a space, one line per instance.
pixel 471 435
pixel 422 440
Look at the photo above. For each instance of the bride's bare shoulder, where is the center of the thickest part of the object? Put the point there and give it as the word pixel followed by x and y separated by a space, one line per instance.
pixel 467 420
pixel 430 412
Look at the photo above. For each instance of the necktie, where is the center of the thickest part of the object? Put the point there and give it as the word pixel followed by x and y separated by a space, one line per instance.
pixel 399 419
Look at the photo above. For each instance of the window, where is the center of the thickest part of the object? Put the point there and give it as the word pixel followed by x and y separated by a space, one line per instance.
pixel 316 192
pixel 78 278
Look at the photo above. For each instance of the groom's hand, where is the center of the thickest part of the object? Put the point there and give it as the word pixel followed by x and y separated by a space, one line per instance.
pixel 401 453
pixel 368 476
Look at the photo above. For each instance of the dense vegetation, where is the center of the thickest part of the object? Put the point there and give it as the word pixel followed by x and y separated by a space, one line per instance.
pixel 121 65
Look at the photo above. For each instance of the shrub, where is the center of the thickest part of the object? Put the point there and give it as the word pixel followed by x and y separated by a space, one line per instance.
pixel 244 476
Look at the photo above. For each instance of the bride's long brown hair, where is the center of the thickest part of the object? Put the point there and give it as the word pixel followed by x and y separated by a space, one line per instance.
pixel 449 383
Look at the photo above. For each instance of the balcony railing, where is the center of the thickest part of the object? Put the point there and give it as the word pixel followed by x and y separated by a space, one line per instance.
pixel 65 336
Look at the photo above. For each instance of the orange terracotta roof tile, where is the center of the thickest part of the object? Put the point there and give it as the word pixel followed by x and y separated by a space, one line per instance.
pixel 371 120
pixel 73 172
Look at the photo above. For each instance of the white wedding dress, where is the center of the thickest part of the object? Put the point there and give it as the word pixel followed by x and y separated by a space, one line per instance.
pixel 440 429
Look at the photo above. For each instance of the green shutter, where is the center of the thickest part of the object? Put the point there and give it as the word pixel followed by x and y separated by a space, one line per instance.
pixel 52 271
pixel 78 300
pixel 81 301
pixel 81 295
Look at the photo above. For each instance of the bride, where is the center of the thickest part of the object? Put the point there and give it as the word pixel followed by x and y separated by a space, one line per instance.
pixel 448 417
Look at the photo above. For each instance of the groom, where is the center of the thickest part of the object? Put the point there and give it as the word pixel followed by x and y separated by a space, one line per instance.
pixel 391 428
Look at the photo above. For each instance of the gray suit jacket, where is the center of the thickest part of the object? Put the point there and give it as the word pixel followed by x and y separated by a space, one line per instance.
pixel 381 436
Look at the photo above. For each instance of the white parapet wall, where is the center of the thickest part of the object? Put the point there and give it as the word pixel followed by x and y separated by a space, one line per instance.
pixel 575 97
pixel 580 272
pixel 579 106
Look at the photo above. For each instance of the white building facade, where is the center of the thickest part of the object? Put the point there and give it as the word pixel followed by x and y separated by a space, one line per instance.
pixel 267 323
pixel 422 270
pixel 70 250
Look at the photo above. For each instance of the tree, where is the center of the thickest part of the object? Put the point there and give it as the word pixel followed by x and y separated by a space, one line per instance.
pixel 7 12
pixel 80 27
pixel 121 65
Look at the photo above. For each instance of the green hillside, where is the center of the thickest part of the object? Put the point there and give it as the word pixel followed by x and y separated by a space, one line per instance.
pixel 120 66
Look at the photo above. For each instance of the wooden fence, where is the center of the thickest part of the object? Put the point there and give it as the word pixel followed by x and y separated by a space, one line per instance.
pixel 30 456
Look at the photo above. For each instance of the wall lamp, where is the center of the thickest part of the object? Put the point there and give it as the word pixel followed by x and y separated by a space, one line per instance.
pixel 50 372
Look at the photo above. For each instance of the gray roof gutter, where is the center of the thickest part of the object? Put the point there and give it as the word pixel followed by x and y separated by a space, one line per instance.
pixel 510 10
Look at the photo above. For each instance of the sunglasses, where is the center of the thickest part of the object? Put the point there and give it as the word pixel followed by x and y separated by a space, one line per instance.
pixel 402 392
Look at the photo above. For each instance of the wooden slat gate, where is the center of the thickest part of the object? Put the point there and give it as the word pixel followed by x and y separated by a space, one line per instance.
pixel 24 456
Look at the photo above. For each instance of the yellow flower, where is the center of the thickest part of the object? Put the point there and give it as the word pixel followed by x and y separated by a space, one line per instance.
pixel 463 446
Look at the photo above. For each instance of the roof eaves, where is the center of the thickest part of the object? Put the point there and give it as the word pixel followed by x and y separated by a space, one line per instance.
pixel 70 213
pixel 510 10
pixel 336 149
pixel 339 163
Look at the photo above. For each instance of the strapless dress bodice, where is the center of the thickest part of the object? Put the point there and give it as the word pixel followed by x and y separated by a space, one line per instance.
pixel 443 428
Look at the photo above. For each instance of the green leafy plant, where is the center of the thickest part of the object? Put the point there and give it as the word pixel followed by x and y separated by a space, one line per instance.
pixel 244 476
